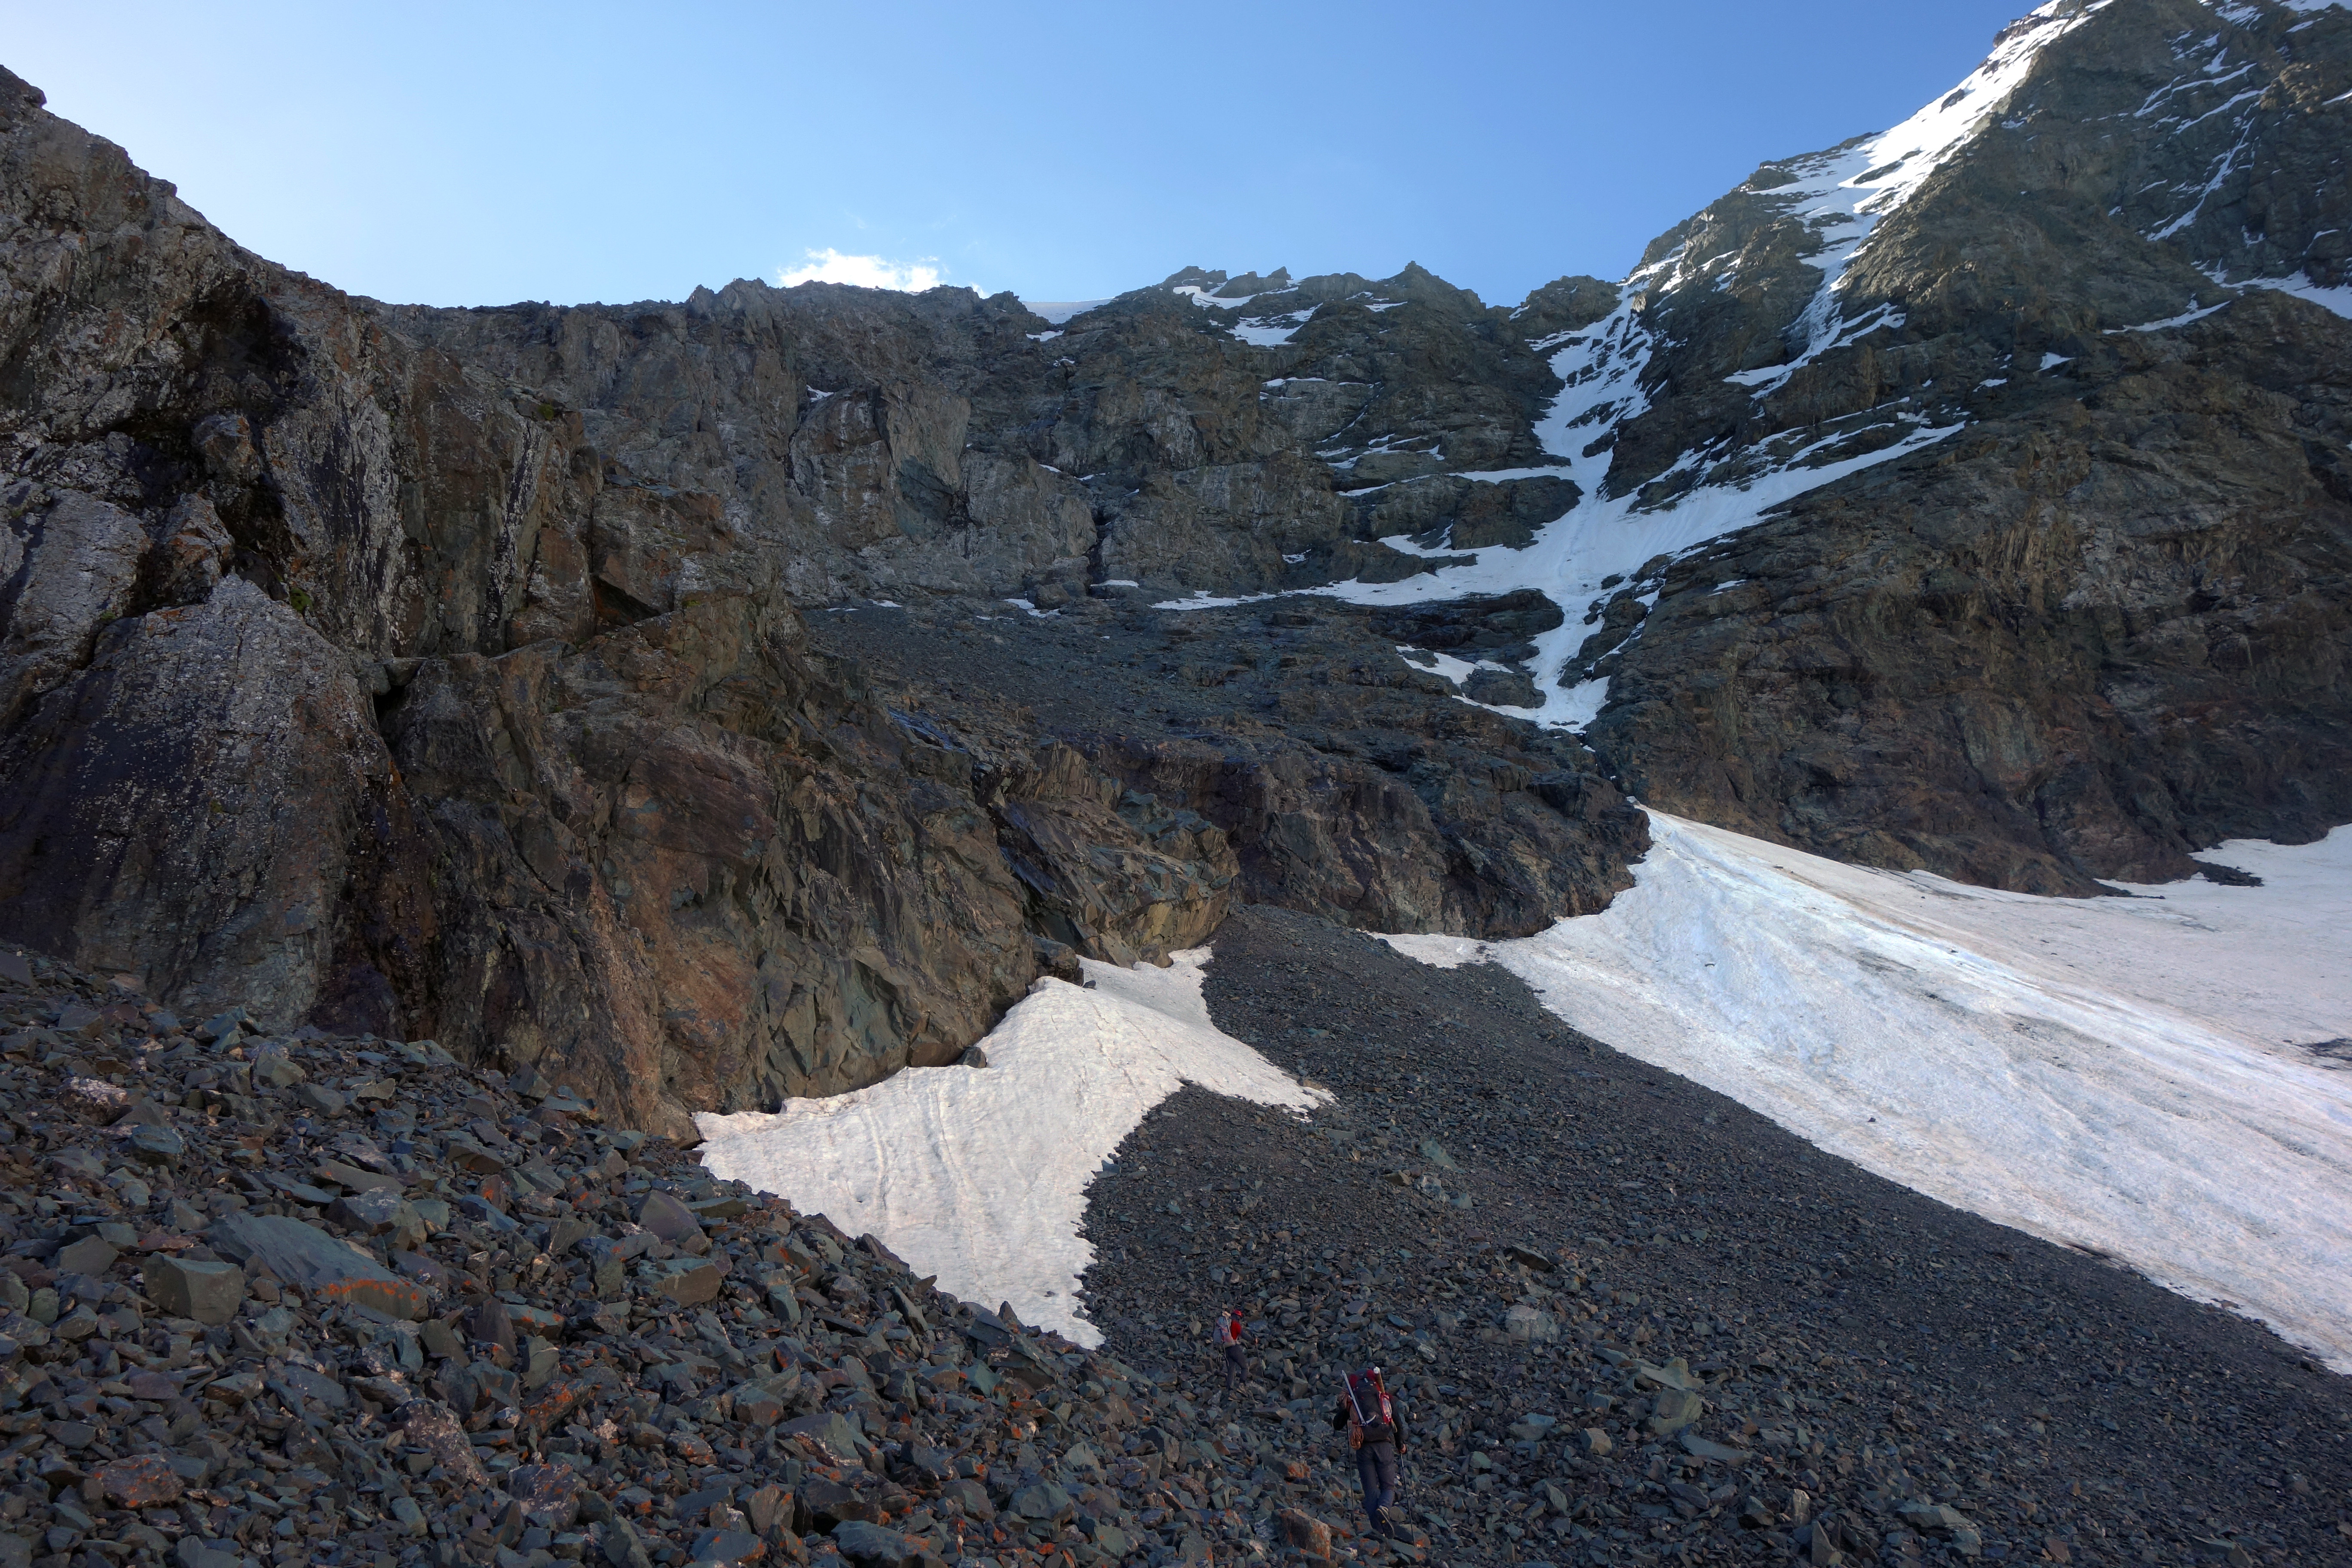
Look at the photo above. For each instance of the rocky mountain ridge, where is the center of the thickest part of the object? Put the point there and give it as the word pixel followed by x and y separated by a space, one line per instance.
pixel 586 687
pixel 353 675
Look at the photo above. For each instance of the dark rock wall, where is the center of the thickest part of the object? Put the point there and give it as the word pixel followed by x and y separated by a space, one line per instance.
pixel 440 673
pixel 2081 642
pixel 2107 625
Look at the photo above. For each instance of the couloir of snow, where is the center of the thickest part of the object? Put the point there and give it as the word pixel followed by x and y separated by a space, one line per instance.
pixel 1840 195
pixel 979 1175
pixel 2128 1075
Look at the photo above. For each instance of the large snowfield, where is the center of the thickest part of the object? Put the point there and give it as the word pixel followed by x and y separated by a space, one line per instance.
pixel 979 1174
pixel 2159 1078
pixel 2130 1076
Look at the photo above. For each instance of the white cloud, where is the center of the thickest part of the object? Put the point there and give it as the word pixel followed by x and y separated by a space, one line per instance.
pixel 830 265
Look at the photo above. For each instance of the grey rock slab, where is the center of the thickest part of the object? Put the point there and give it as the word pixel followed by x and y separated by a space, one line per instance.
pixel 1673 1409
pixel 183 1287
pixel 1700 1447
pixel 830 1431
pixel 77 1162
pixel 372 1212
pixel 90 1255
pixel 1531 1325
pixel 274 1068
pixel 296 1253
pixel 159 1146
pixel 861 1542
pixel 1046 1501
pixel 689 1282
pixel 668 1217
pixel 221 1025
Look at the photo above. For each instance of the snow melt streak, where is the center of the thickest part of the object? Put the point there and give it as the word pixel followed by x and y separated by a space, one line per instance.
pixel 2127 1076
pixel 980 1175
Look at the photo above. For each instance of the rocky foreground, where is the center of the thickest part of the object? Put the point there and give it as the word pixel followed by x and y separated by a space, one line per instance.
pixel 1640 1323
pixel 314 1300
pixel 336 1300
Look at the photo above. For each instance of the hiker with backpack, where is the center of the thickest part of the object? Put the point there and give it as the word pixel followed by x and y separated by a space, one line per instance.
pixel 1375 1420
pixel 1229 1334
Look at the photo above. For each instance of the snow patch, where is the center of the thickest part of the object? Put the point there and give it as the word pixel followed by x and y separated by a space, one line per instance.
pixel 1203 599
pixel 1271 331
pixel 1453 669
pixel 2182 320
pixel 979 1175
pixel 2135 1076
pixel 2338 299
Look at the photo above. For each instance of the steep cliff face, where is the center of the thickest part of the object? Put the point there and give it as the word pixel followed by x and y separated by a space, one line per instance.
pixel 2084 641
pixel 2101 620
pixel 433 672
pixel 356 677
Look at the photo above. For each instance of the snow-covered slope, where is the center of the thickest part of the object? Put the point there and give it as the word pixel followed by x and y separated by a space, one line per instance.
pixel 2135 1076
pixel 979 1176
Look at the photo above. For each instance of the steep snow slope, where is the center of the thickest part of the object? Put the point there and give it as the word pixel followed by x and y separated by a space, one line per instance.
pixel 980 1175
pixel 2135 1076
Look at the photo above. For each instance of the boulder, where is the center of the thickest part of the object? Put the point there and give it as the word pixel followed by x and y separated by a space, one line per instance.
pixel 146 1481
pixel 183 1287
pixel 865 1543
pixel 689 1282
pixel 370 1213
pixel 1302 1532
pixel 666 1215
pixel 157 1145
pixel 90 1255
pixel 830 1432
pixel 1673 1409
pixel 304 1255
pixel 1531 1325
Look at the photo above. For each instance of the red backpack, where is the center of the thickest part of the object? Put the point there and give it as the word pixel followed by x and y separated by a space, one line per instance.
pixel 1363 1425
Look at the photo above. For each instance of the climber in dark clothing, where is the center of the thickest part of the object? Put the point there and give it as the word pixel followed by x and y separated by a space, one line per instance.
pixel 1375 1420
pixel 1229 1335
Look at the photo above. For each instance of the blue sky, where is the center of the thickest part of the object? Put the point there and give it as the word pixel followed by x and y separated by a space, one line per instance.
pixel 482 153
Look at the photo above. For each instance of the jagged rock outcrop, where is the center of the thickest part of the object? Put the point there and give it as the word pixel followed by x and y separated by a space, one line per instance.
pixel 1349 781
pixel 418 671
